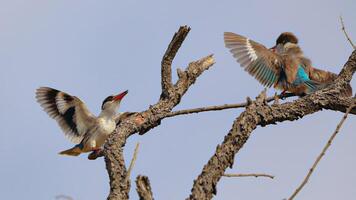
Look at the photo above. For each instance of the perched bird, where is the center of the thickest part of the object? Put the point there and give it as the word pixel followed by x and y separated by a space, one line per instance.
pixel 282 66
pixel 315 74
pixel 77 122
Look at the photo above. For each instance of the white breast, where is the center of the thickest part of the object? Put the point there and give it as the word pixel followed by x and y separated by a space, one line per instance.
pixel 104 129
pixel 106 126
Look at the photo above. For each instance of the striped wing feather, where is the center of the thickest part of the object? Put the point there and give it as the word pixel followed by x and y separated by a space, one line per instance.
pixel 256 59
pixel 70 112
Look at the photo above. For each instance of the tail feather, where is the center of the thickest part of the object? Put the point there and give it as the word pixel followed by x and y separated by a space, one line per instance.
pixel 75 151
pixel 322 76
pixel 312 86
pixel 326 77
pixel 347 92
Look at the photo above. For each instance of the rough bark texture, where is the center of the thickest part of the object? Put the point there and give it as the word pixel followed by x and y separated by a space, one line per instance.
pixel 150 118
pixel 143 188
pixel 259 113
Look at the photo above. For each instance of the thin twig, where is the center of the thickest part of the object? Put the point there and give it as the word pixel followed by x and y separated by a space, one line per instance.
pixel 222 107
pixel 133 160
pixel 327 145
pixel 344 30
pixel 249 175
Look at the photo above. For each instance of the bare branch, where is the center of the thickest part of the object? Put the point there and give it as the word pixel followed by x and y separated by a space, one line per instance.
pixel 222 107
pixel 326 147
pixel 166 69
pixel 347 35
pixel 144 121
pixel 249 175
pixel 258 113
pixel 143 188
pixel 133 160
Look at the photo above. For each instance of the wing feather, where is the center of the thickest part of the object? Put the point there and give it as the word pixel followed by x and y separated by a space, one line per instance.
pixel 69 111
pixel 257 60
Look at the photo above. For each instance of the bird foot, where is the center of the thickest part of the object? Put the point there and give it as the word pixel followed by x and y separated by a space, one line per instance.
pixel 98 152
pixel 282 96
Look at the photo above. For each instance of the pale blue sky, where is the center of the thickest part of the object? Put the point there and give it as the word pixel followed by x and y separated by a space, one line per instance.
pixel 92 49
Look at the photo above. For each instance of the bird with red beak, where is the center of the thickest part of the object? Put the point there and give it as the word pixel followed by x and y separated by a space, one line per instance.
pixel 77 122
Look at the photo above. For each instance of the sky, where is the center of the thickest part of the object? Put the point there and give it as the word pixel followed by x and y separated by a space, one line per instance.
pixel 92 49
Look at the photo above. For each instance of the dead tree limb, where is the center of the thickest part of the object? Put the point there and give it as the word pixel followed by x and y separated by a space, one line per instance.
pixel 345 32
pixel 326 147
pixel 249 175
pixel 150 118
pixel 133 160
pixel 143 188
pixel 259 113
pixel 225 106
pixel 166 68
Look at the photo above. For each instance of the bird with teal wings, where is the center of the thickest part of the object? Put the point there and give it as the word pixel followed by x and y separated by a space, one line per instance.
pixel 283 66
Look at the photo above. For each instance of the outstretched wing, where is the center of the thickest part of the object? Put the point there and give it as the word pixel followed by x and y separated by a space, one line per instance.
pixel 70 112
pixel 257 60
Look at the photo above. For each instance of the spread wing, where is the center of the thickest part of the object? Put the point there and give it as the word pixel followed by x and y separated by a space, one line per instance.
pixel 70 112
pixel 257 60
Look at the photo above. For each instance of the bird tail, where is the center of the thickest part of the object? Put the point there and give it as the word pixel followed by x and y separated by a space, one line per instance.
pixel 75 151
pixel 312 86
pixel 348 91
pixel 322 76
pixel 326 78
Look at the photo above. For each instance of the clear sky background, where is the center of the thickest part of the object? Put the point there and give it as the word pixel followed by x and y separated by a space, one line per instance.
pixel 92 49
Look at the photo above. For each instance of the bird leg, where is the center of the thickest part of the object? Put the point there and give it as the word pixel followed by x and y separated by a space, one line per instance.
pixel 96 152
pixel 276 99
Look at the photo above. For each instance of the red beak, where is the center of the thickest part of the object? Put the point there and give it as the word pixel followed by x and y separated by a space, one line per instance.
pixel 120 96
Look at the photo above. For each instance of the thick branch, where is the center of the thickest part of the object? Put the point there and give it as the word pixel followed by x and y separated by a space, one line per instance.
pixel 146 120
pixel 143 188
pixel 166 69
pixel 261 114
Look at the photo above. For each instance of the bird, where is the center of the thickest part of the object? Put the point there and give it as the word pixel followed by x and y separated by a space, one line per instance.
pixel 79 125
pixel 283 66
pixel 315 74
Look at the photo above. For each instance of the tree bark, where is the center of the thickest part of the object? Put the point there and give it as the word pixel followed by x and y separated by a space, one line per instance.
pixel 259 113
pixel 150 118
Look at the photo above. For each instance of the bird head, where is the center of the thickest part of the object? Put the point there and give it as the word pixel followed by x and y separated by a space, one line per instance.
pixel 286 37
pixel 112 102
pixel 287 42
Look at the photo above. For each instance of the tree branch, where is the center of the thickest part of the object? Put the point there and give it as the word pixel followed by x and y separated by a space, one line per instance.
pixel 166 69
pixel 261 114
pixel 326 147
pixel 249 175
pixel 148 119
pixel 133 160
pixel 225 106
pixel 143 188
pixel 347 35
